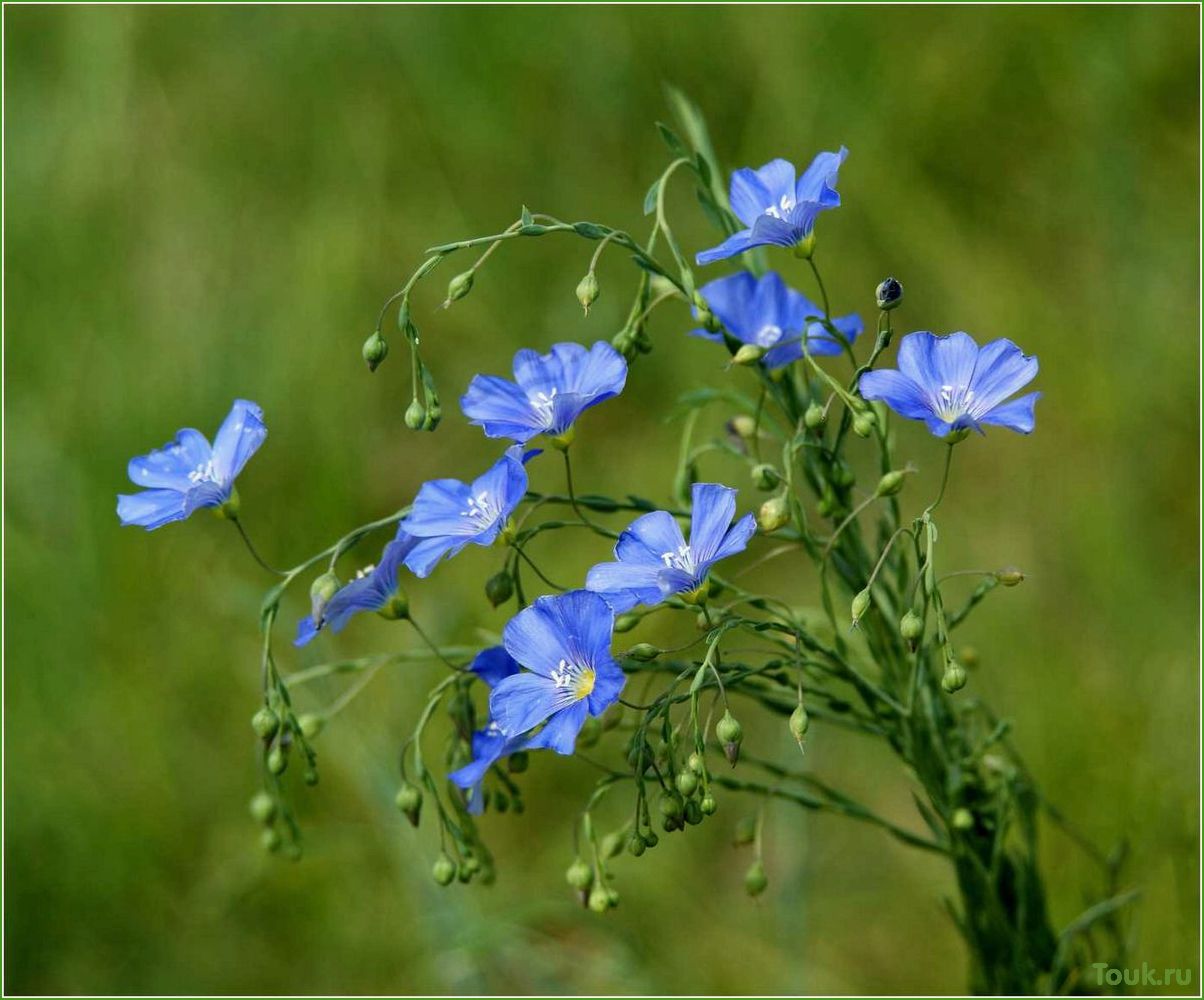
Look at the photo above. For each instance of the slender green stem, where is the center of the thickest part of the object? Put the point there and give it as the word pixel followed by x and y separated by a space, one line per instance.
pixel 251 548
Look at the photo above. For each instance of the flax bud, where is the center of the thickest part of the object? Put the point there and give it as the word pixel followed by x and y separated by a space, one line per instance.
pixel 1009 576
pixel 800 722
pixel 587 291
pixel 265 722
pixel 415 415
pixel 863 424
pixel 748 354
pixel 815 417
pixel 271 840
pixel 311 725
pixel 729 732
pixel 743 426
pixel 891 483
pixel 321 591
pixel 774 514
pixel 962 819
pixel 636 845
pixel 708 805
pixel 443 871
pixel 458 287
pixel 626 622
pixel 754 879
pixel 277 760
pixel 375 350
pixel 499 588
pixel 687 783
pixel 409 802
pixel 263 808
pixel 642 652
pixel 860 605
pixel 745 831
pixel 889 294
pixel 765 477
pixel 911 627
pixel 954 678
pixel 579 875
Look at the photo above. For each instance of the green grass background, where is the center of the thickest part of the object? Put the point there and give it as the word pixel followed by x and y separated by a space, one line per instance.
pixel 205 203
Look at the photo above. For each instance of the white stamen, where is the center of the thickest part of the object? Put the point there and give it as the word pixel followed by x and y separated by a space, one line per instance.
pixel 681 559
pixel 482 510
pixel 575 678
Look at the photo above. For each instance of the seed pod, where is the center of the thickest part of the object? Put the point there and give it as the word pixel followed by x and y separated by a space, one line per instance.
pixel 599 898
pixel 265 722
pixel 671 806
pixel 579 875
pixel 374 351
pixel 814 417
pixel 890 483
pixel 730 733
pixel 911 626
pixel 409 802
pixel 799 723
pixel 708 805
pixel 587 291
pixel 1009 576
pixel 693 812
pixel 863 424
pixel 954 678
pixel 696 764
pixel 415 415
pixel 459 286
pixel 860 605
pixel 774 514
pixel 687 783
pixel 636 845
pixel 443 871
pixel 642 652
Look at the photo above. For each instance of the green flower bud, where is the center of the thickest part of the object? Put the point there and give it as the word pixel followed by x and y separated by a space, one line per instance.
pixel 814 417
pixel 636 845
pixel 889 294
pixel 579 875
pixel 458 287
pixel 499 588
pixel 745 831
pixel 696 764
pixel 271 840
pixel 311 777
pixel 311 725
pixel 754 879
pixel 415 415
pixel 517 762
pixel 265 722
pixel 671 805
pixel 587 291
pixel 954 678
pixel 375 350
pixel 826 504
pixel 651 839
pixel 860 605
pixel 599 898
pixel 891 483
pixel 708 805
pixel 1009 576
pixel 642 652
pixel 962 819
pixel 765 477
pixel 321 591
pixel 671 823
pixel 774 514
pixel 743 426
pixel 693 812
pixel 863 424
pixel 729 732
pixel 443 871
pixel 397 607
pixel 687 782
pixel 277 760
pixel 626 622
pixel 911 626
pixel 434 413
pixel 748 354
pixel 263 808
pixel 710 322
pixel 799 723
pixel 409 802
pixel 590 733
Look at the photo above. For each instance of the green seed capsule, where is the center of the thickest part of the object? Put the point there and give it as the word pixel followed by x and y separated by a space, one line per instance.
pixel 754 879
pixel 765 477
pixel 311 725
pixel 800 722
pixel 696 764
pixel 774 513
pixel 459 286
pixel 891 483
pixel 587 291
pixel 277 760
pixel 671 806
pixel 860 605
pixel 579 875
pixel 693 812
pixel 443 871
pixel 265 722
pixel 954 678
pixel 642 652
pixel 374 351
pixel 863 424
pixel 708 805
pixel 911 626
pixel 729 732
pixel 415 415
pixel 814 417
pixel 687 783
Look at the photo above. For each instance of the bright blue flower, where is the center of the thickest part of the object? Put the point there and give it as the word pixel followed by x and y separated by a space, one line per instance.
pixel 373 589
pixel 654 560
pixel 952 384
pixel 549 391
pixel 775 208
pixel 564 642
pixel 489 745
pixel 765 312
pixel 448 514
pixel 187 473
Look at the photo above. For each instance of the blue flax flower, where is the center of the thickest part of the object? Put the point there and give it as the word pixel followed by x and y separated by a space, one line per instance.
pixel 776 209
pixel 767 313
pixel 654 560
pixel 549 391
pixel 188 473
pixel 375 588
pixel 564 643
pixel 953 385
pixel 448 514
pixel 489 745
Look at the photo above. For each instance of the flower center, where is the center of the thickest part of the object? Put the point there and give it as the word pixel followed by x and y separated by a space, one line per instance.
pixel 681 558
pixel 543 403
pixel 768 335
pixel 783 208
pixel 955 401
pixel 482 510
pixel 575 678
pixel 203 473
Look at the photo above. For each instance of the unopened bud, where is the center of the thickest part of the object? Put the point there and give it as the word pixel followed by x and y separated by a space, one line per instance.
pixel 954 678
pixel 599 898
pixel 745 831
pixel 889 294
pixel 277 760
pixel 774 514
pixel 642 652
pixel 636 845
pixel 863 424
pixel 687 783
pixel 748 354
pixel 708 805
pixel 459 286
pixel 754 879
pixel 409 802
pixel 650 838
pixel 443 871
pixel 693 812
pixel 671 805
pixel 265 722
pixel 587 291
pixel 263 808
pixel 626 622
pixel 962 819
pixel 579 875
pixel 311 725
pixel 1009 576
pixel 271 840
pixel 860 605
pixel 696 764
pixel 765 477
pixel 499 588
pixel 911 626
pixel 434 413
pixel 814 417
pixel 729 732
pixel 415 415
pixel 891 483
pixel 799 723
pixel 743 426
pixel 375 350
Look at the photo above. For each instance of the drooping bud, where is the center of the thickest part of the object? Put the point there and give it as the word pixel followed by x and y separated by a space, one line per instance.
pixel 773 514
pixel 743 426
pixel 889 294
pixel 860 605
pixel 321 591
pixel 843 474
pixel 311 725
pixel 729 732
pixel 642 652
pixel 499 588
pixel 397 607
pixel 765 477
pixel 962 819
pixel 415 415
pixel 271 840
pixel 265 722
pixel 696 764
pixel 434 413
pixel 458 287
pixel 443 871
pixel 587 291
pixel 754 879
pixel 708 805
pixel 745 831
pixel 277 760
pixel 891 483
pixel 409 802
pixel 636 845
pixel 814 417
pixel 626 622
pixel 799 723
pixel 671 806
pixel 911 626
pixel 693 812
pixel 687 783
pixel 748 354
pixel 650 838
pixel 263 808
pixel 1009 576
pixel 954 678
pixel 863 424
pixel 599 898
pixel 579 875
pixel 375 350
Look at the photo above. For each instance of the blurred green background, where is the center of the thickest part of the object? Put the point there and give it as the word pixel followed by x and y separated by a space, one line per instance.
pixel 206 203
